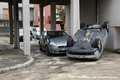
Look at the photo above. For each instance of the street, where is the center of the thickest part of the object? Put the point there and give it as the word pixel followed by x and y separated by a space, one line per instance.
pixel 60 67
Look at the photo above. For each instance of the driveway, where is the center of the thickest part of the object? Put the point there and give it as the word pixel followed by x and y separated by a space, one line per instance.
pixel 60 67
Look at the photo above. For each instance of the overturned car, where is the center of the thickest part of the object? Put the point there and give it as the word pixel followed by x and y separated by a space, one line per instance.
pixel 88 42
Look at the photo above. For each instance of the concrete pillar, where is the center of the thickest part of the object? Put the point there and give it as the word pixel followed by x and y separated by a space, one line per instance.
pixel 26 26
pixel 16 27
pixel 67 19
pixel 11 22
pixel 41 18
pixel 53 16
pixel 75 16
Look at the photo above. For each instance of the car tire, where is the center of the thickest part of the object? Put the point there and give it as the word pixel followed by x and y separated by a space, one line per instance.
pixel 105 26
pixel 47 51
pixel 97 44
pixel 70 42
pixel 82 25
pixel 40 48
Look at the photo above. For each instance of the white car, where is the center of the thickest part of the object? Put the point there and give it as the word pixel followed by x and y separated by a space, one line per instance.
pixel 36 32
pixel 21 35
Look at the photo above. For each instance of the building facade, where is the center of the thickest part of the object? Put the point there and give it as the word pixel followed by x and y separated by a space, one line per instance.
pixel 47 17
pixel 77 11
pixel 4 15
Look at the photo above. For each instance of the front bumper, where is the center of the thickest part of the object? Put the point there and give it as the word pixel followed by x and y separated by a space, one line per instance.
pixel 82 56
pixel 93 55
pixel 58 50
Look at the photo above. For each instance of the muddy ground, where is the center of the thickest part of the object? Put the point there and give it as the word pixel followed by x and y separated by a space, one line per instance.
pixel 60 67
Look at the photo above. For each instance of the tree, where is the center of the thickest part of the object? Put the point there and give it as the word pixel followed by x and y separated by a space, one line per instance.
pixel 60 13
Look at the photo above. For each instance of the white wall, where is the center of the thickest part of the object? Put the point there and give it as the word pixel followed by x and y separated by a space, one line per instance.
pixel 117 38
pixel 110 11
pixel 111 39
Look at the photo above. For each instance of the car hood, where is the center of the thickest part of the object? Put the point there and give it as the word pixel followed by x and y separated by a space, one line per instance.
pixel 59 41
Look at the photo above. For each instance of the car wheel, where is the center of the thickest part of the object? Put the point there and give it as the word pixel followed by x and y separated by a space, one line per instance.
pixel 82 25
pixel 40 47
pixel 33 36
pixel 47 51
pixel 97 44
pixel 70 42
pixel 105 26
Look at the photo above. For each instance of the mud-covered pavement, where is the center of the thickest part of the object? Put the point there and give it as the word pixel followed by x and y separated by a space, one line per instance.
pixel 60 67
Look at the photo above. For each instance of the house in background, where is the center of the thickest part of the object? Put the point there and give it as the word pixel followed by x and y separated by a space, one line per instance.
pixel 34 16
pixel 47 17
pixel 4 15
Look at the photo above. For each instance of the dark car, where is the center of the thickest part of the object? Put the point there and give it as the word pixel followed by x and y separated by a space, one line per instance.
pixel 53 41
pixel 88 42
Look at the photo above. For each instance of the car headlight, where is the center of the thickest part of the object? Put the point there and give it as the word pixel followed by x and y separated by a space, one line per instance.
pixel 52 44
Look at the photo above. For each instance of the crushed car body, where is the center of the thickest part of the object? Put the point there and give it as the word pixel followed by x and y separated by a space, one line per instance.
pixel 89 42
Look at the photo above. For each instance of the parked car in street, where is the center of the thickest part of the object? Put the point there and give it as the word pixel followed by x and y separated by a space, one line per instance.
pixel 54 42
pixel 89 42
pixel 36 32
pixel 21 35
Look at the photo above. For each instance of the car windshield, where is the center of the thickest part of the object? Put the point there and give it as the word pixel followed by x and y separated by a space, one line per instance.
pixel 21 30
pixel 54 34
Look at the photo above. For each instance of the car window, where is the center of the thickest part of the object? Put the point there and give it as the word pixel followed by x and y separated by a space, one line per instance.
pixel 54 34
pixel 34 29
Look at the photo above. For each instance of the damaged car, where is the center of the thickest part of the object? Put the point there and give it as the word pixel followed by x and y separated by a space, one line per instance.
pixel 88 42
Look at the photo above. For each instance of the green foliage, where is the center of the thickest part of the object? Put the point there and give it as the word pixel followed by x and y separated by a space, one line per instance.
pixel 60 13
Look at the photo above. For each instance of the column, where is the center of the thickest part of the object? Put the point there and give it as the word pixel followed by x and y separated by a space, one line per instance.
pixel 11 22
pixel 26 26
pixel 75 16
pixel 16 27
pixel 41 18
pixel 53 16
pixel 67 19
